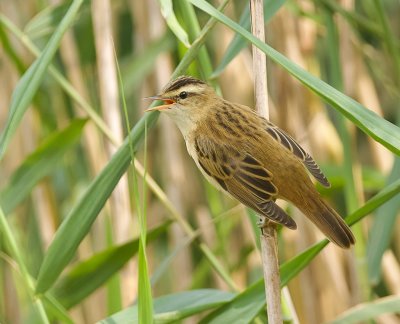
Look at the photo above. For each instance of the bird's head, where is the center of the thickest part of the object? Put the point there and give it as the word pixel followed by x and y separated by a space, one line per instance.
pixel 186 100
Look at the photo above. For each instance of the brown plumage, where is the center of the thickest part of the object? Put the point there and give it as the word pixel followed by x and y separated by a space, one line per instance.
pixel 248 157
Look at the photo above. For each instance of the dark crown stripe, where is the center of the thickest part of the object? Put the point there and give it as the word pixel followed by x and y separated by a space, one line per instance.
pixel 182 81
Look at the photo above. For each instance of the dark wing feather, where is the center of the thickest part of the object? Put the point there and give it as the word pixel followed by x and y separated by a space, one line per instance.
pixel 287 141
pixel 243 177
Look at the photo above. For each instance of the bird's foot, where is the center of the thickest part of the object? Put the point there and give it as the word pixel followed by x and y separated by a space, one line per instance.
pixel 265 225
pixel 262 223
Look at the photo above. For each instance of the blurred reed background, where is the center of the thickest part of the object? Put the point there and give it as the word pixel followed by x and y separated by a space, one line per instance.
pixel 75 122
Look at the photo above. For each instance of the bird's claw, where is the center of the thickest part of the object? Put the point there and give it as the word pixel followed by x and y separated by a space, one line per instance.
pixel 262 222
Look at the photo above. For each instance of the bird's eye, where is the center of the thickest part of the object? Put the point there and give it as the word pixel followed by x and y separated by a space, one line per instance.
pixel 183 95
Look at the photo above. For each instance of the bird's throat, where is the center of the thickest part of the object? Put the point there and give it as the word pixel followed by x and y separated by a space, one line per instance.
pixel 184 121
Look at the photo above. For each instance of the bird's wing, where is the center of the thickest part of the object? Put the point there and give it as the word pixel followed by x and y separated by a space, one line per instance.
pixel 287 141
pixel 243 177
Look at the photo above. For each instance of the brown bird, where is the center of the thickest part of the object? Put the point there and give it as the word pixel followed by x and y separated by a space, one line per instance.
pixel 248 157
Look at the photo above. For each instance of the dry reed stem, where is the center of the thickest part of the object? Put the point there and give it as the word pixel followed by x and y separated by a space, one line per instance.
pixel 109 98
pixel 391 272
pixel 94 149
pixel 259 59
pixel 70 56
pixel 269 253
pixel 367 94
pixel 268 237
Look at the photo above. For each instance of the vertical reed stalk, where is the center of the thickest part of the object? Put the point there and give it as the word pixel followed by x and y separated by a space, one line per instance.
pixel 268 237
pixel 119 202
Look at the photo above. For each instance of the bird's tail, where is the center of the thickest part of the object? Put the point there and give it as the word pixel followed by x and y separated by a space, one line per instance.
pixel 329 222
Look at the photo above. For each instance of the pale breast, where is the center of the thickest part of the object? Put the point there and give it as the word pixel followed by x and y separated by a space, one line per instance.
pixel 193 153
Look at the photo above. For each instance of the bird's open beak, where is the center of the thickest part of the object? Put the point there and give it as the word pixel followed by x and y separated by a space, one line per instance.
pixel 167 103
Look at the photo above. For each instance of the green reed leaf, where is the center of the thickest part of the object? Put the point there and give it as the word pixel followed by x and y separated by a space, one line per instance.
pixel 39 164
pixel 77 224
pixel 30 81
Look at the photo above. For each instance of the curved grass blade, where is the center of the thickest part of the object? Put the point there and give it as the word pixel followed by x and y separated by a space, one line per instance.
pixel 88 275
pixel 369 122
pixel 30 81
pixel 39 164
pixel 175 307
pixel 376 201
pixel 168 13
pixel 46 21
pixel 362 313
pixel 78 222
pixel 245 306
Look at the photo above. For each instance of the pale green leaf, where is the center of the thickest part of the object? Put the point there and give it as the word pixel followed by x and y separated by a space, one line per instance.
pixel 86 276
pixel 168 13
pixel 245 306
pixel 362 313
pixel 174 307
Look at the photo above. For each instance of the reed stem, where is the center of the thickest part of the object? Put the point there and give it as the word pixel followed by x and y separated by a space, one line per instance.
pixel 268 237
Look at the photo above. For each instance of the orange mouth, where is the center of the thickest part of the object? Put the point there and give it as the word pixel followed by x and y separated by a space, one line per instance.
pixel 167 103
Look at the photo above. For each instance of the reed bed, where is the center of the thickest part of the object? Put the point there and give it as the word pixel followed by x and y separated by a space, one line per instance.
pixel 105 218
